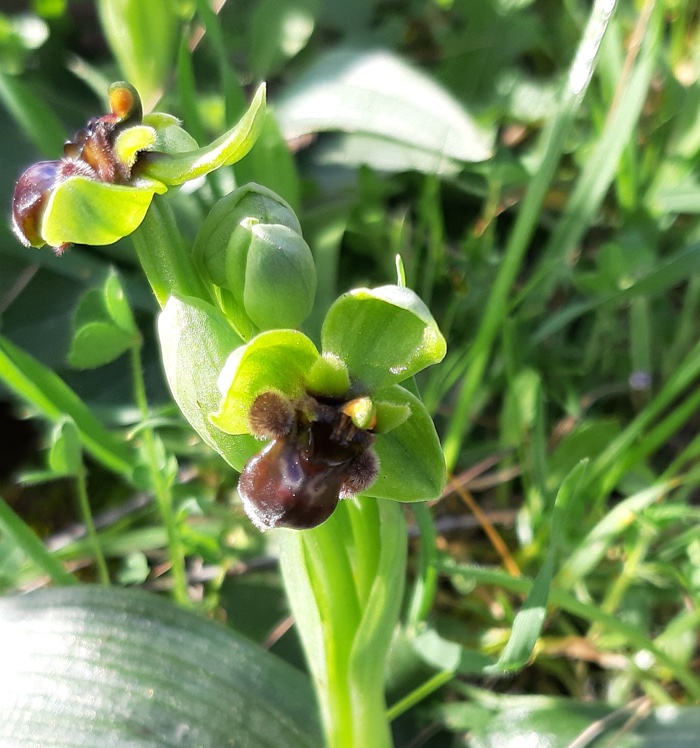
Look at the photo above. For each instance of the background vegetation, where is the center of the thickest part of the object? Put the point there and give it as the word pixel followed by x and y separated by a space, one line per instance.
pixel 555 238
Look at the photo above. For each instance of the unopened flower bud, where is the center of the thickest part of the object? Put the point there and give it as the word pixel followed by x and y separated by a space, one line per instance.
pixel 251 245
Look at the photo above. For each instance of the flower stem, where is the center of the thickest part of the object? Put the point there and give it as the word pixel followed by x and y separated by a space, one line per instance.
pixel 86 516
pixel 164 256
pixel 160 483
pixel 345 580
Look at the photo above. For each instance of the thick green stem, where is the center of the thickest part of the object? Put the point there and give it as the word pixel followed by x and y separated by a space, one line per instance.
pixel 165 257
pixel 345 580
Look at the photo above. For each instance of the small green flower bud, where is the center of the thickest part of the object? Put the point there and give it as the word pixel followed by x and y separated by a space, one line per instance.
pixel 221 233
pixel 251 245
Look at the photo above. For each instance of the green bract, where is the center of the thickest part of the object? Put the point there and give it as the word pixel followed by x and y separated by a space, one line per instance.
pixel 392 336
pixel 195 340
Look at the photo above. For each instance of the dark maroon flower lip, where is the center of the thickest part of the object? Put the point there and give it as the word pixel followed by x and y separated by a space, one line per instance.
pixel 316 457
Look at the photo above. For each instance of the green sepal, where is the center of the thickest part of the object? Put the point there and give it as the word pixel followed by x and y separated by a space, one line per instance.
pixel 274 360
pixel 195 340
pixel 384 335
pixel 83 211
pixel 411 462
pixel 103 326
pixel 226 150
pixel 280 277
pixel 328 376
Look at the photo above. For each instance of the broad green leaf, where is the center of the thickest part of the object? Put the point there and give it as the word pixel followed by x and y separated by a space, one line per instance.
pixel 65 456
pixel 411 464
pixel 104 327
pixel 356 149
pixel 117 305
pixel 551 721
pixel 143 38
pixel 174 169
pixel 96 344
pixel 82 211
pixel 384 335
pixel 195 340
pixel 274 360
pixel 377 93
pixel 44 390
pixel 100 666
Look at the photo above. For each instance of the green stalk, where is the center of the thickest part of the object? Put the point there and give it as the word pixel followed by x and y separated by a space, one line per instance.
pixel 160 483
pixel 553 143
pixel 165 257
pixel 91 532
pixel 344 580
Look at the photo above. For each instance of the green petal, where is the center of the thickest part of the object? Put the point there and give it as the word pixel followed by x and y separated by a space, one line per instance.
pixel 131 141
pixel 274 360
pixel 195 340
pixel 328 376
pixel 170 136
pixel 383 335
pixel 411 463
pixel 82 211
pixel 229 148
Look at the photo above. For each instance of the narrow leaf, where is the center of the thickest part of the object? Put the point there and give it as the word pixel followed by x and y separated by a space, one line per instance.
pixel 24 538
pixel 47 392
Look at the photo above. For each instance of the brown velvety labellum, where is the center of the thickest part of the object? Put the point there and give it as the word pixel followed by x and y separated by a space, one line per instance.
pixel 282 487
pixel 31 192
pixel 297 480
